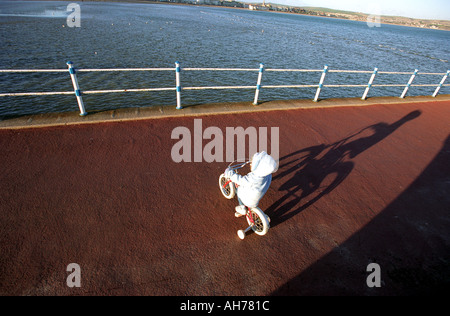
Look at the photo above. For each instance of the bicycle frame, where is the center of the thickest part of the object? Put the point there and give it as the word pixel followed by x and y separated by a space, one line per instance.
pixel 250 218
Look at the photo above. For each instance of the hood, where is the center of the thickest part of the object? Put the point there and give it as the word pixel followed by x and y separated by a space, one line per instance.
pixel 263 164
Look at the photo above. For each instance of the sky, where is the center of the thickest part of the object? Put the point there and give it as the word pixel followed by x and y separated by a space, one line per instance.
pixel 421 9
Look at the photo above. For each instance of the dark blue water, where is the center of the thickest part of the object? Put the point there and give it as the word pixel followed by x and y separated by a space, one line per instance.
pixel 114 35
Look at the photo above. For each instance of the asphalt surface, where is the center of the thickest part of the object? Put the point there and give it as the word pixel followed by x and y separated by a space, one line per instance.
pixel 356 185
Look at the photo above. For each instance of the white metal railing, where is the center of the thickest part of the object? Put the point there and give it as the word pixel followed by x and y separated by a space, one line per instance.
pixel 178 88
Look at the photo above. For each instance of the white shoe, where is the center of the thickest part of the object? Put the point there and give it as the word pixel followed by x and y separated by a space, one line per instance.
pixel 241 210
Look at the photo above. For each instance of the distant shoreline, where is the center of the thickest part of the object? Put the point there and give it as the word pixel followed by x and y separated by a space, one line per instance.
pixel 446 28
pixel 381 22
pixel 365 15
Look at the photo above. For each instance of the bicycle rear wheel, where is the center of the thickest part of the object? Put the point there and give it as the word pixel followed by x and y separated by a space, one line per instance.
pixel 258 220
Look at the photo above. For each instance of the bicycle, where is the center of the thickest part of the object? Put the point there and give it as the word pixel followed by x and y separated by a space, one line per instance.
pixel 257 220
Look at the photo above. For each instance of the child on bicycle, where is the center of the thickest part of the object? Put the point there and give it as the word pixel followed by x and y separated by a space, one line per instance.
pixel 253 186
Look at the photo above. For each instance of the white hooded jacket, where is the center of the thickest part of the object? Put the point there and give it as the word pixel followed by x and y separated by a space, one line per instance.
pixel 255 184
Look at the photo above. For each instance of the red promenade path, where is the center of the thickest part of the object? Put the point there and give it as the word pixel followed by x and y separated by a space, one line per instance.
pixel 356 185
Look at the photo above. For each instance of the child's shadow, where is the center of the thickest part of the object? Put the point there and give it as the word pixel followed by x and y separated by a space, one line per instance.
pixel 315 171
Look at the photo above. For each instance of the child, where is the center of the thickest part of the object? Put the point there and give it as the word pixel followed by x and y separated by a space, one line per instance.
pixel 253 186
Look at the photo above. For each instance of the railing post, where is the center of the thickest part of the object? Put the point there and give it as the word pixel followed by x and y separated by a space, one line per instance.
pixel 178 84
pixel 258 83
pixel 322 78
pixel 440 84
pixel 369 85
pixel 409 83
pixel 76 87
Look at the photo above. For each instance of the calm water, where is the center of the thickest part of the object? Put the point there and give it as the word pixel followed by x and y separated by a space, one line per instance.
pixel 115 35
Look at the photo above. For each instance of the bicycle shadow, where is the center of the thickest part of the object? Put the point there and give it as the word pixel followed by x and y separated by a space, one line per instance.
pixel 318 170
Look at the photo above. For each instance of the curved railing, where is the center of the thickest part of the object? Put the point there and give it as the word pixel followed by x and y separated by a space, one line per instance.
pixel 179 88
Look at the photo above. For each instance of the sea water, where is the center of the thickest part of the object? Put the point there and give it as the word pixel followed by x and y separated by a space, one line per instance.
pixel 36 35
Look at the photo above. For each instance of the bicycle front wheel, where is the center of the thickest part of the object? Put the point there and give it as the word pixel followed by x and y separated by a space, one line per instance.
pixel 228 190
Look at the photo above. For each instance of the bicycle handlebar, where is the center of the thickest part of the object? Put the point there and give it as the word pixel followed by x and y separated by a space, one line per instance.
pixel 238 166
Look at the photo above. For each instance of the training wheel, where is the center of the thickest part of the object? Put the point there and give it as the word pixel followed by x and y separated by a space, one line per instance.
pixel 241 234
